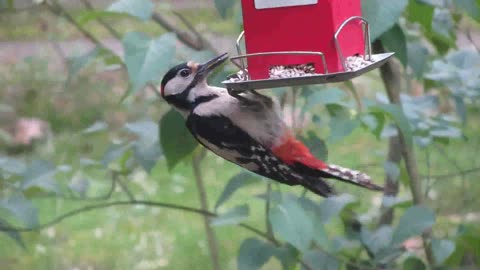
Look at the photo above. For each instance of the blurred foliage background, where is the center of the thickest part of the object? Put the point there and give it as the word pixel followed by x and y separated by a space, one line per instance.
pixel 98 173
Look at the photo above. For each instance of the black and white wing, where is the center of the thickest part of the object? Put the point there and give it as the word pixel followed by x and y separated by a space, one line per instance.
pixel 218 134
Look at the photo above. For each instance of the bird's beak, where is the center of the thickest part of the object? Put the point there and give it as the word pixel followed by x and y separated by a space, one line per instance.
pixel 205 68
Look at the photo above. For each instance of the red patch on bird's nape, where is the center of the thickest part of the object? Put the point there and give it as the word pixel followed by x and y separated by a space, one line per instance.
pixel 292 150
pixel 162 90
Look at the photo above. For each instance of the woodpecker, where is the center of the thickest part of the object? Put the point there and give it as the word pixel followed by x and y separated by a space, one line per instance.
pixel 247 129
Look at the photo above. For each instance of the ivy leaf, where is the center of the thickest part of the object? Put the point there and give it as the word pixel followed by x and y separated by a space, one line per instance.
pixel 341 127
pixel 141 9
pixel 234 216
pixel 332 206
pixel 395 112
pixel 382 15
pixel 114 152
pixel 291 223
pixel 320 96
pixel 378 240
pixel 147 59
pixel 9 165
pixel 417 58
pixel 22 209
pixel 442 249
pixel 146 147
pixel 253 254
pixel 238 181
pixel 395 41
pixel 176 141
pixel 318 260
pixel 414 221
pixel 40 174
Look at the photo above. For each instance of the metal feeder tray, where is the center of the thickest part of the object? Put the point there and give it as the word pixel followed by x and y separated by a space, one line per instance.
pixel 244 85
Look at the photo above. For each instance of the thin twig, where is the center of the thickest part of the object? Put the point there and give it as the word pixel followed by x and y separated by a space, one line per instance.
pixel 268 224
pixel 170 206
pixel 58 10
pixel 183 37
pixel 123 186
pixel 202 194
pixel 107 26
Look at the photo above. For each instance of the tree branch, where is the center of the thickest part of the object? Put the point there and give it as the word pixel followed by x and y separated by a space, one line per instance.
pixel 388 75
pixel 183 37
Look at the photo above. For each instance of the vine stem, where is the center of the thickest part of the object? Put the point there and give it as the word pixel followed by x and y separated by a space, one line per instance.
pixel 202 194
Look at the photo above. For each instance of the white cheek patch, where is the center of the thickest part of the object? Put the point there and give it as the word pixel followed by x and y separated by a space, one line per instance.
pixel 177 85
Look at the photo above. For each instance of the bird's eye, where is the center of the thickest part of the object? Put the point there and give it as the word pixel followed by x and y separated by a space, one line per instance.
pixel 185 73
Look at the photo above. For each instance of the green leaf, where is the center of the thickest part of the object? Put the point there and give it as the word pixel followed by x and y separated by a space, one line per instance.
pixel 114 152
pixel 176 141
pixel 22 209
pixel 40 174
pixel 414 222
pixel 79 185
pixel 378 240
pixel 317 146
pixel 223 6
pixel 232 217
pixel 321 96
pixel 16 236
pixel 238 181
pixel 318 260
pixel 395 41
pixel 141 9
pixel 417 58
pixel 147 147
pixel 413 263
pixel 9 165
pixel 77 63
pixel 332 206
pixel 471 7
pixel 395 112
pixel 291 223
pixel 147 59
pixel 253 254
pixel 420 13
pixel 442 249
pixel 341 127
pixel 382 15
pixel 443 22
pixel 95 127
pixel 375 122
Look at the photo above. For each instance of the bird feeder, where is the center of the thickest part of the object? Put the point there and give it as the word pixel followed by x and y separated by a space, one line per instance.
pixel 301 42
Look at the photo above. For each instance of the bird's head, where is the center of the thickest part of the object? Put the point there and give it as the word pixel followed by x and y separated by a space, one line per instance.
pixel 183 84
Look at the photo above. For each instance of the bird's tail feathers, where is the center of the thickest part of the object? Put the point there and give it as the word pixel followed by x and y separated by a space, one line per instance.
pixel 319 187
pixel 351 176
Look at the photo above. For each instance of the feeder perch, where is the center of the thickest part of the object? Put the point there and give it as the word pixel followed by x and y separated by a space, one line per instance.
pixel 302 42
